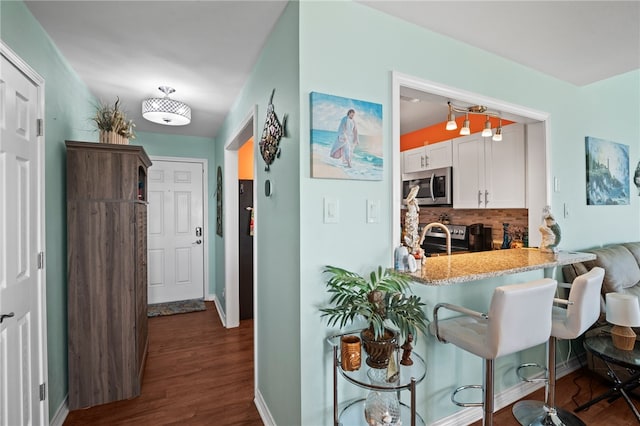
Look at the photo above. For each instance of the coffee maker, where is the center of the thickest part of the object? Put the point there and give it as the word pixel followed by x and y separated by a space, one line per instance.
pixel 480 237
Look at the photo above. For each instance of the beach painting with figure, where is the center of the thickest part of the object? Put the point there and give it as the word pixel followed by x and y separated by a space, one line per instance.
pixel 346 138
pixel 607 172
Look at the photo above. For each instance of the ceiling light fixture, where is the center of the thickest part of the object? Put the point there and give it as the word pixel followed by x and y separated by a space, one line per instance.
pixel 465 130
pixel 474 109
pixel 486 132
pixel 165 110
pixel 451 119
pixel 498 136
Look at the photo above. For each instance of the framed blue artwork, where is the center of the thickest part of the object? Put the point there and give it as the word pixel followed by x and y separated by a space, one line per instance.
pixel 607 172
pixel 346 138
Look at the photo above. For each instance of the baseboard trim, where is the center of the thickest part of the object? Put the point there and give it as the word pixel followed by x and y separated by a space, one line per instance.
pixel 221 314
pixel 61 413
pixel 263 410
pixel 506 397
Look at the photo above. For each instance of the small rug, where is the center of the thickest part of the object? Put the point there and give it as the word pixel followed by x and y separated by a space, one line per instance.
pixel 172 308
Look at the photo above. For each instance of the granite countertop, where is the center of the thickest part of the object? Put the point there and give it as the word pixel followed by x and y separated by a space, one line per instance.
pixel 460 268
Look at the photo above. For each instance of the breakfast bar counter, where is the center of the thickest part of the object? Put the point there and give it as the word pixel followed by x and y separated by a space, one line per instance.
pixel 460 268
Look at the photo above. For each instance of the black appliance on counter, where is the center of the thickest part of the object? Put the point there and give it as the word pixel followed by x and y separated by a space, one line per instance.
pixel 435 240
pixel 480 237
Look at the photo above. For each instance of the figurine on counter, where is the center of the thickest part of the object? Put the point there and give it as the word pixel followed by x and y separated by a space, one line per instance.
pixel 406 351
pixel 412 217
pixel 551 233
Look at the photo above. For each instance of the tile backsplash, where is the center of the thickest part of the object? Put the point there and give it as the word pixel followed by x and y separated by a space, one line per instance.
pixel 494 218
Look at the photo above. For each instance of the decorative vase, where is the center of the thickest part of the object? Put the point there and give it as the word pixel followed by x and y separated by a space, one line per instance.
pixel 381 408
pixel 350 349
pixel 113 138
pixel 378 351
pixel 506 239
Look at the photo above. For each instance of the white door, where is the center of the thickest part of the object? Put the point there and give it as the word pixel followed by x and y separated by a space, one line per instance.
pixel 176 231
pixel 22 330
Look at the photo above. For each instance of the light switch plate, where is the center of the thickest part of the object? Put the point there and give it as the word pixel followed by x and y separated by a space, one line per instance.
pixel 373 211
pixel 331 210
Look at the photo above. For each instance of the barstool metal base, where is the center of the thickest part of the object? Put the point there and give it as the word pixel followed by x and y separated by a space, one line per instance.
pixel 536 413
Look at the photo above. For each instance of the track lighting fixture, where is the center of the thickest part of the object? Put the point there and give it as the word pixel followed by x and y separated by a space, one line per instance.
pixel 466 130
pixel 498 136
pixel 474 109
pixel 486 132
pixel 451 119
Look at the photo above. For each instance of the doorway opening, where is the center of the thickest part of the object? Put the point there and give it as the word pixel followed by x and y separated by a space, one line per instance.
pixel 408 90
pixel 232 226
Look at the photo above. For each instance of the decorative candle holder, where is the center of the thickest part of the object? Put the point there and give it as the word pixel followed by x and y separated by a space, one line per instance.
pixel 350 349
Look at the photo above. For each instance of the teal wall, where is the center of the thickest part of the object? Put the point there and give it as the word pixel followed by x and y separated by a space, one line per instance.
pixel 355 59
pixel 277 221
pixel 68 110
pixel 69 107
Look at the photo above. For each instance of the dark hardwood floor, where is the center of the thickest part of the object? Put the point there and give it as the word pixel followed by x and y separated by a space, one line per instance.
pixel 574 390
pixel 199 373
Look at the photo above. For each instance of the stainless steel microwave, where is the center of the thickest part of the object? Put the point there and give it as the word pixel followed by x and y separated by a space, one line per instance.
pixel 435 188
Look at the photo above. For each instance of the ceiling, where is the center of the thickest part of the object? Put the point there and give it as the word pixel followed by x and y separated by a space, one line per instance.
pixel 206 49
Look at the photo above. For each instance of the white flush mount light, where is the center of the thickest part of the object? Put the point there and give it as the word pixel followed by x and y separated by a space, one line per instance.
pixel 165 110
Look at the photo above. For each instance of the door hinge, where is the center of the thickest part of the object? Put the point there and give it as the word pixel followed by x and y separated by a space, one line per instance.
pixel 43 391
pixel 40 125
pixel 41 260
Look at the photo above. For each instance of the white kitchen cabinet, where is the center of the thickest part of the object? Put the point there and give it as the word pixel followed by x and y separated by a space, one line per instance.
pixel 427 157
pixel 490 174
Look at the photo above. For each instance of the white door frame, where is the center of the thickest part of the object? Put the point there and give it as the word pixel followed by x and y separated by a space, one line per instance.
pixel 247 129
pixel 205 214
pixel 24 68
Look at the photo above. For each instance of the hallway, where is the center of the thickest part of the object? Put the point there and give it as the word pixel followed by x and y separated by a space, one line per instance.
pixel 197 373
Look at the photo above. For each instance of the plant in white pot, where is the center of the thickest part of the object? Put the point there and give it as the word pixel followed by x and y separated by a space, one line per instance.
pixel 380 300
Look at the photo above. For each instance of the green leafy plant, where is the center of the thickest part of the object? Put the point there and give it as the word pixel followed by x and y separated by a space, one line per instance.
pixel 378 300
pixel 110 118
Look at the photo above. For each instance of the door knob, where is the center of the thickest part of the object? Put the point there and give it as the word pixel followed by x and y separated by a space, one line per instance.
pixel 3 316
pixel 197 242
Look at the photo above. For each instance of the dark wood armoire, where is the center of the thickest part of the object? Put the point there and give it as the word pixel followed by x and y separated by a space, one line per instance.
pixel 107 271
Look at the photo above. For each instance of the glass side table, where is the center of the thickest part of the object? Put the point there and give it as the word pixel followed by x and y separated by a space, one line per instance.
pixel 598 342
pixel 353 412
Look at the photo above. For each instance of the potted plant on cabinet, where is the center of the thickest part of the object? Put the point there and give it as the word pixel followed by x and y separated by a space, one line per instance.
pixel 380 300
pixel 113 124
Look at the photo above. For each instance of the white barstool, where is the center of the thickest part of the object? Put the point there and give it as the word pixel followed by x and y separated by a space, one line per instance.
pixel 519 317
pixel 569 322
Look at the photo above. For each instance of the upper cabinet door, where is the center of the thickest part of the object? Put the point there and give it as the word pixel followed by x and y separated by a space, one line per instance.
pixel 489 174
pixel 413 160
pixel 468 172
pixel 427 157
pixel 439 155
pixel 505 169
